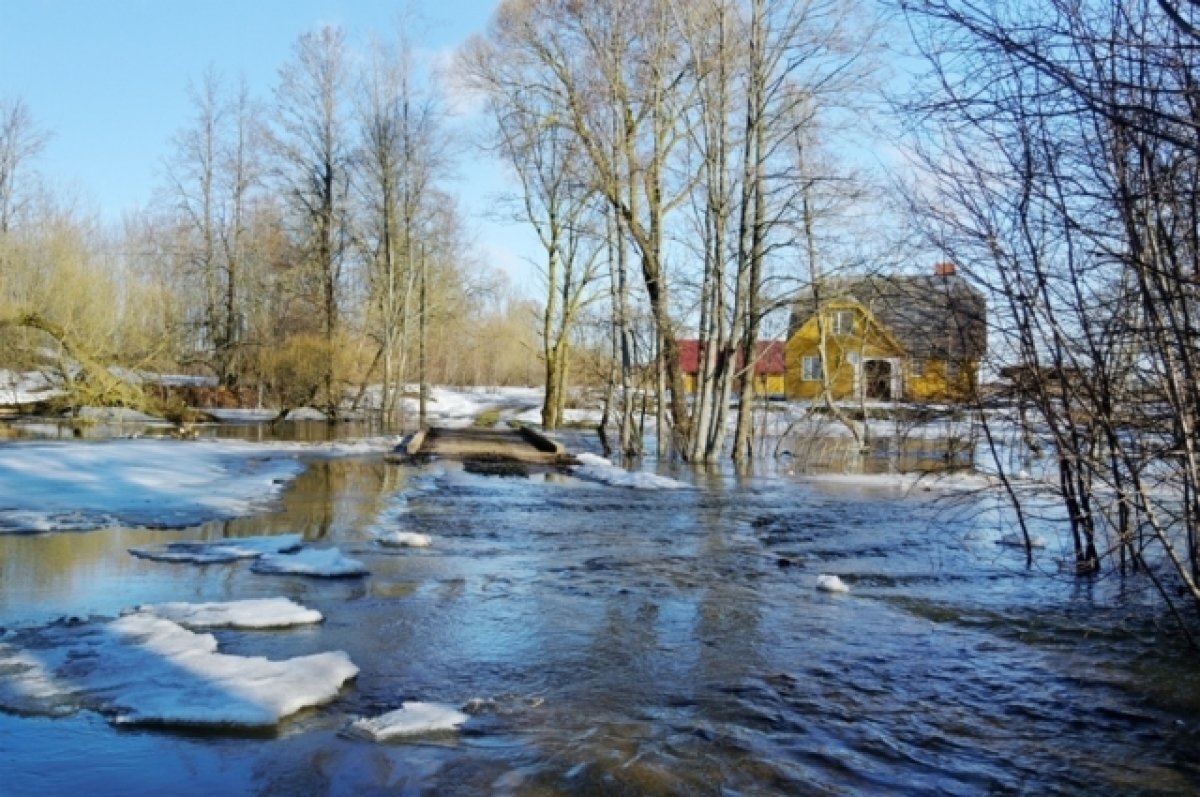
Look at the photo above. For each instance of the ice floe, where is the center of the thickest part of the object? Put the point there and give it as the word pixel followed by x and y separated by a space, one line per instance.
pixel 411 719
pixel 404 539
pixel 320 562
pixel 74 485
pixel 203 552
pixel 827 582
pixel 253 613
pixel 143 669
pixel 595 468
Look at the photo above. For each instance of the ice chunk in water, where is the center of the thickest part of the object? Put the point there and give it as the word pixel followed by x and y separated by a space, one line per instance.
pixel 320 562
pixel 405 539
pixel 142 669
pixel 249 614
pixel 831 583
pixel 202 552
pixel 411 719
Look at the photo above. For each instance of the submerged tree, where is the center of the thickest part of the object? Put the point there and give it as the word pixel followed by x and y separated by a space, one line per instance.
pixel 1062 158
pixel 682 115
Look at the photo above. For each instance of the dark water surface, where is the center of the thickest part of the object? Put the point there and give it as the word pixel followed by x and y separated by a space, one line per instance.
pixel 620 641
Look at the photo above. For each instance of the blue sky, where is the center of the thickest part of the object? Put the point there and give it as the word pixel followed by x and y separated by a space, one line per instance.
pixel 108 79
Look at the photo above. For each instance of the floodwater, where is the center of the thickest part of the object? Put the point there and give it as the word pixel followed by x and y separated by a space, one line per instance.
pixel 618 641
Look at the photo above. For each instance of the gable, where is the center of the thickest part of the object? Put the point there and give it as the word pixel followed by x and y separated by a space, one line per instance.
pixel 935 316
pixel 869 337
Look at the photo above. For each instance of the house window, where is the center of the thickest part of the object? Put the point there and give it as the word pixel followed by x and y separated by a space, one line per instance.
pixel 811 369
pixel 843 322
pixel 916 367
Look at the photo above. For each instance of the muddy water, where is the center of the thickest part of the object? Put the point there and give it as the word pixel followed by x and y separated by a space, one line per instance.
pixel 613 641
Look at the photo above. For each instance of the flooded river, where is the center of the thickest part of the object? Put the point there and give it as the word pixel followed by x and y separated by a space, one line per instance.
pixel 618 641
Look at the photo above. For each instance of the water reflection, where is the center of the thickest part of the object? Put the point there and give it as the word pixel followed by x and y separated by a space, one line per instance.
pixel 313 431
pixel 880 454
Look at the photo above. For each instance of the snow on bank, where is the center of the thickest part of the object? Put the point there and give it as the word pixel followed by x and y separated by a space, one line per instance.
pixel 25 388
pixel 229 550
pixel 143 669
pixel 411 719
pixel 254 613
pixel 162 483
pixel 319 562
pixel 459 407
pixel 599 469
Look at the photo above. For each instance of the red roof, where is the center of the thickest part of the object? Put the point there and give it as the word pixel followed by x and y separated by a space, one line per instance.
pixel 769 362
pixel 689 356
pixel 770 358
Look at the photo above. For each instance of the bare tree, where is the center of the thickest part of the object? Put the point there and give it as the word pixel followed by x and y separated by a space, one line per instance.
pixel 1062 159
pixel 404 152
pixel 556 198
pixel 215 168
pixel 312 147
pixel 611 71
pixel 21 140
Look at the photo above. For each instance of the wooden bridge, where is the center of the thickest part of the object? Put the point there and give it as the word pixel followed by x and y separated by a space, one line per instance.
pixel 488 450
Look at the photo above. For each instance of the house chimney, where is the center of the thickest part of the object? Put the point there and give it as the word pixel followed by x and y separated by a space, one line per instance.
pixel 943 269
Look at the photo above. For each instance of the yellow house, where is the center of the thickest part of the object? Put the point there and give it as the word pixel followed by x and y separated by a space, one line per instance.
pixel 897 338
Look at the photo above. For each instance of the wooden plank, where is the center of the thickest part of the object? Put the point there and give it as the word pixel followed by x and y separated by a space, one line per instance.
pixel 519 445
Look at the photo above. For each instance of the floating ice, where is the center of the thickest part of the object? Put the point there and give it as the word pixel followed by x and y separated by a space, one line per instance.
pixel 77 485
pixel 411 719
pixel 229 550
pixel 249 614
pixel 831 583
pixel 405 539
pixel 141 669
pixel 322 562
pixel 594 468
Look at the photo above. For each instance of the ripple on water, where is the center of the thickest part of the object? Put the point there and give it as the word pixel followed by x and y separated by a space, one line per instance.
pixel 621 641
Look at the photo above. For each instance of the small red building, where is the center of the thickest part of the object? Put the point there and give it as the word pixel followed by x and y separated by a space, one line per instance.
pixel 768 366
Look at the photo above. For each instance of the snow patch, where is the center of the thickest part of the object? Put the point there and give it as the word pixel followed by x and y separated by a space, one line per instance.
pixel 25 388
pixel 411 719
pixel 599 469
pixel 254 613
pixel 319 562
